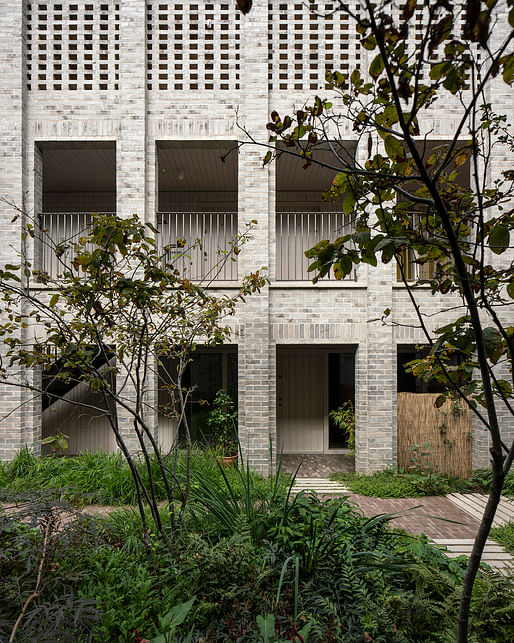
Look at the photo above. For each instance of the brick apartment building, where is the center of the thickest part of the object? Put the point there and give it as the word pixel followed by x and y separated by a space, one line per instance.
pixel 126 106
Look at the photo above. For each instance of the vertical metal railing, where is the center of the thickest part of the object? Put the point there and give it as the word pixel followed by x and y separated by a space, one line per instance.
pixel 198 243
pixel 64 228
pixel 296 232
pixel 413 270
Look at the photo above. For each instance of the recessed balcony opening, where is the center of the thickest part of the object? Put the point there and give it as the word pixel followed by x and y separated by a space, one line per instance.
pixel 78 178
pixel 71 407
pixel 197 207
pixel 302 217
pixel 413 270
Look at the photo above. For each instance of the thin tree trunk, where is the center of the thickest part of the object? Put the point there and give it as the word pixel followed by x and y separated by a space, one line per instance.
pixel 478 549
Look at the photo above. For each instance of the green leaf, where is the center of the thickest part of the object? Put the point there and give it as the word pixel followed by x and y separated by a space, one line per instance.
pixel 376 67
pixel 170 621
pixel 266 627
pixel 508 69
pixel 348 203
pixel 510 289
pixel 394 148
pixel 492 342
pixel 340 180
pixel 499 238
pixel 439 401
pixel 53 300
pixel 439 70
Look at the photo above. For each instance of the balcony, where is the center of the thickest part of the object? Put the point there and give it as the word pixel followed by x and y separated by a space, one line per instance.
pixel 197 243
pixel 296 232
pixel 61 227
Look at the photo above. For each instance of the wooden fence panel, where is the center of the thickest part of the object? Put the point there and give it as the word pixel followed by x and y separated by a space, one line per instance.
pixel 447 429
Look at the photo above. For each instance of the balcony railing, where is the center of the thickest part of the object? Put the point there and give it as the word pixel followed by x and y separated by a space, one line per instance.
pixel 197 243
pixel 61 227
pixel 414 271
pixel 299 231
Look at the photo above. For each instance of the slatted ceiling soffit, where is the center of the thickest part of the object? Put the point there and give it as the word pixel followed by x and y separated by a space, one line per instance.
pixel 197 169
pixel 79 169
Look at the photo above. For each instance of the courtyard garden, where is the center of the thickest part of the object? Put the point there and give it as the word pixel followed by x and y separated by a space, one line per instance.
pixel 247 561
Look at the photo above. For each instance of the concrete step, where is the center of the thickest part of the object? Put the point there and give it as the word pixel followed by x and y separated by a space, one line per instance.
pixel 494 555
pixel 320 486
pixel 474 504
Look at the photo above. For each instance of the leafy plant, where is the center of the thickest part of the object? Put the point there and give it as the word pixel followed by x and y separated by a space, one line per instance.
pixel 270 631
pixel 344 419
pixel 170 621
pixel 56 442
pixel 39 598
pixel 222 422
pixel 505 536
pixel 483 478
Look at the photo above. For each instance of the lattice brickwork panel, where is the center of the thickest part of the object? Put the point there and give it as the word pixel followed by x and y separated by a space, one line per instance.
pixel 72 45
pixel 193 45
pixel 306 39
pixel 418 28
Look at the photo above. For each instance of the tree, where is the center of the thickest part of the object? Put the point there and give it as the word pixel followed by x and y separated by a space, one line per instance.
pixel 407 204
pixel 117 308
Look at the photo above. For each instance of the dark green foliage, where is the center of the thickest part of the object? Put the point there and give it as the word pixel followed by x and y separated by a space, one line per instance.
pixel 316 566
pixel 482 479
pixel 33 541
pixel 222 422
pixel 505 536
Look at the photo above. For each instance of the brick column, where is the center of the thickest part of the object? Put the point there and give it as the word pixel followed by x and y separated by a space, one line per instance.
pixel 130 150
pixel 256 356
pixel 375 373
pixel 17 426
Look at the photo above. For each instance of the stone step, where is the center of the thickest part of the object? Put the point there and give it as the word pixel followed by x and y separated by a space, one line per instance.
pixel 494 555
pixel 319 486
pixel 474 504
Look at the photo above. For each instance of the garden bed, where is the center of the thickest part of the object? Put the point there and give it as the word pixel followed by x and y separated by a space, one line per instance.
pixel 257 562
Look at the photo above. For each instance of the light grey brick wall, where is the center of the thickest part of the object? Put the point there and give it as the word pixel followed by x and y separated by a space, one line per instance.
pixel 223 87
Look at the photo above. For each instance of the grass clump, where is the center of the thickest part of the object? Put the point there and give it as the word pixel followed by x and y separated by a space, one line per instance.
pixel 395 483
pixel 105 478
pixel 504 535
pixel 102 478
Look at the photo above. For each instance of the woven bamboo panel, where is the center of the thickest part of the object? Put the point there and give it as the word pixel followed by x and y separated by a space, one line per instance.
pixel 446 429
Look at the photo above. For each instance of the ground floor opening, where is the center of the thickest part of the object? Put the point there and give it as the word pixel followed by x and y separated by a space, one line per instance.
pixel 312 382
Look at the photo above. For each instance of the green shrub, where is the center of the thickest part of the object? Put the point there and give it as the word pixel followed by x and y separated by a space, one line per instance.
pixel 395 483
pixel 505 536
pixel 33 541
pixel 482 478
pixel 320 564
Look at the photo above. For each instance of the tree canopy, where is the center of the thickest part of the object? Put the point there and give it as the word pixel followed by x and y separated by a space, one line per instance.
pixel 442 209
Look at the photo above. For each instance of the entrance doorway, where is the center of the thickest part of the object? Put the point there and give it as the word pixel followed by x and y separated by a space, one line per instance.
pixel 311 382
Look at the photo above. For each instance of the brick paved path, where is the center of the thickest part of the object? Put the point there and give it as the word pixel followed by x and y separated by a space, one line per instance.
pixel 422 520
